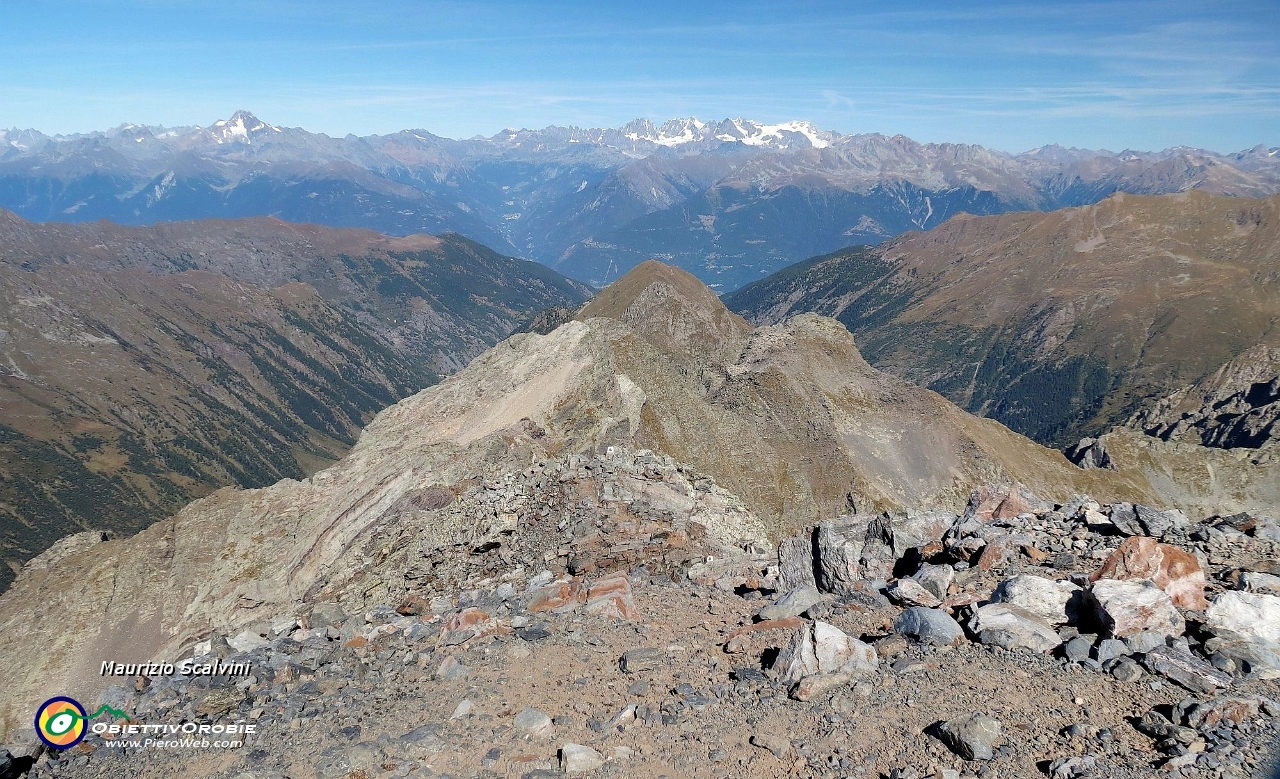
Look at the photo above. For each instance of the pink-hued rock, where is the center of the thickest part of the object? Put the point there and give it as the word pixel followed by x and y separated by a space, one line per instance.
pixel 611 597
pixel 739 638
pixel 811 687
pixel 1003 501
pixel 558 597
pixel 1207 714
pixel 996 553
pixel 467 624
pixel 1173 570
pixel 788 623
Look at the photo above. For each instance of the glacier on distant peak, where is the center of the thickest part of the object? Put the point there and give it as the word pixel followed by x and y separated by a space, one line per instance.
pixel 678 132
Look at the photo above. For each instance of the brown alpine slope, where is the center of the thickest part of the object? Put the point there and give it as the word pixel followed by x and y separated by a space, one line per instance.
pixel 794 428
pixel 1059 324
pixel 141 368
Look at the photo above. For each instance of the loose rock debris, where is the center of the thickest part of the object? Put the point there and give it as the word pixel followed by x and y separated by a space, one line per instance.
pixel 1017 639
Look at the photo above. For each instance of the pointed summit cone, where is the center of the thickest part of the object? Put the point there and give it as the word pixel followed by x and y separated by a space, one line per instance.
pixel 673 310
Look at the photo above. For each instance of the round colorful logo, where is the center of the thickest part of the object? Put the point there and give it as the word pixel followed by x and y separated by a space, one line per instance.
pixel 60 722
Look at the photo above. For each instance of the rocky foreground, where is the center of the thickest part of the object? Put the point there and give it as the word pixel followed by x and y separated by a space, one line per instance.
pixel 608 635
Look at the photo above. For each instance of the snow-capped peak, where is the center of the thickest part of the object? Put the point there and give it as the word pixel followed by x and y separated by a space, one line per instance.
pixel 678 132
pixel 756 134
pixel 240 128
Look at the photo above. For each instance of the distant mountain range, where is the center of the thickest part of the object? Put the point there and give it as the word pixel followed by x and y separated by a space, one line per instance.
pixel 731 201
pixel 143 367
pixel 1061 325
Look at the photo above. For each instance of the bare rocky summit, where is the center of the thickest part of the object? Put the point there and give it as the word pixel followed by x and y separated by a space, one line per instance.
pixel 658 541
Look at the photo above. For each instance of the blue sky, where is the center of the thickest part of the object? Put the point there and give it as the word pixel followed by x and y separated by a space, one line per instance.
pixel 1142 75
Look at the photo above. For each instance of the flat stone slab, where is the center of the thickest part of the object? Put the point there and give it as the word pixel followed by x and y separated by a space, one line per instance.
pixel 1187 670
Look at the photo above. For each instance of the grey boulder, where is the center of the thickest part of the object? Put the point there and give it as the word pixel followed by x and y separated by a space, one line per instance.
pixel 936 579
pixel 973 737
pixel 929 626
pixel 792 604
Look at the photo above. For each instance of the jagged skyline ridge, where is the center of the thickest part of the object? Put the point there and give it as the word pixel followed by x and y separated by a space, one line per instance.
pixel 1013 76
pixel 732 199
pixel 642 134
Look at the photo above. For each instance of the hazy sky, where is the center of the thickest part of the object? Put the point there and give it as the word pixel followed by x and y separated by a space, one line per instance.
pixel 1142 75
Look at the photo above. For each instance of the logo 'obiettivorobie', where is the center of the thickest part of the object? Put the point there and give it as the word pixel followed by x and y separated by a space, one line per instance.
pixel 61 722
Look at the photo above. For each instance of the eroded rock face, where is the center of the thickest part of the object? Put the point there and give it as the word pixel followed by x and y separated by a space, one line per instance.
pixel 1173 570
pixel 483 679
pixel 1238 405
pixel 243 339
